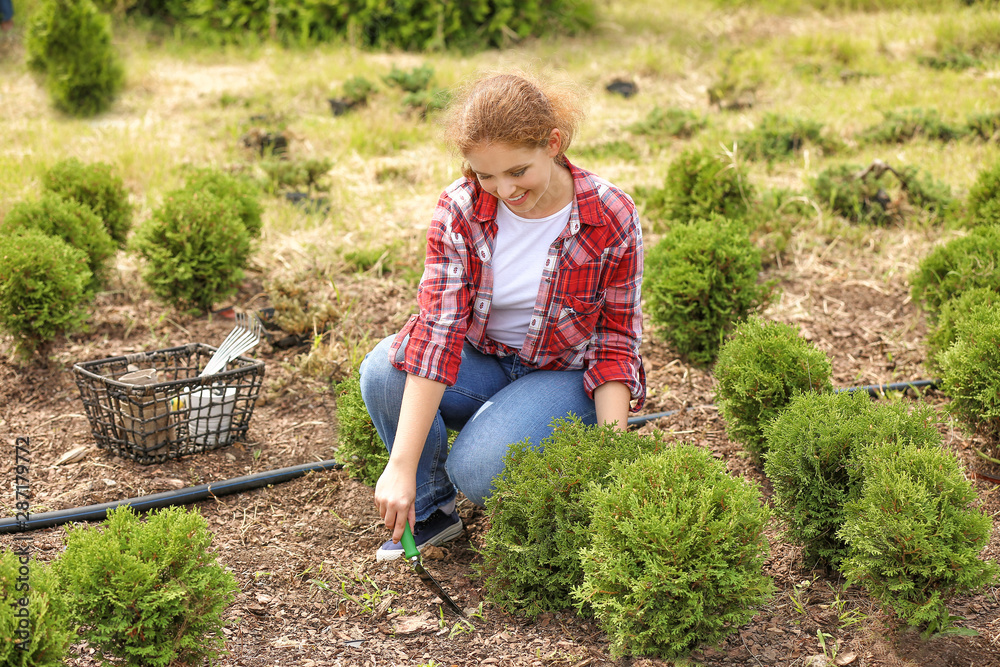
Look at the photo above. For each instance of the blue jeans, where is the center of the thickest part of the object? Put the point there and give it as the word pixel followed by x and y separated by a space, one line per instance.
pixel 6 10
pixel 494 403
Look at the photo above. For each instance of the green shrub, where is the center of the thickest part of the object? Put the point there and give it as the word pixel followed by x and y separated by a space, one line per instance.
pixel 777 137
pixel 943 333
pixel 914 535
pixel 669 122
pixel 309 174
pixel 701 184
pixel 984 126
pixel 983 201
pixel 950 59
pixel 539 520
pixel 243 195
pixel 898 127
pixel 38 633
pixel 961 264
pixel 676 553
pixel 69 44
pixel 148 593
pixel 760 368
pixel 970 370
pixel 872 195
pixel 195 247
pixel 357 90
pixel 359 447
pixel 618 149
pixel 812 447
pixel 74 223
pixel 96 186
pixel 43 288
pixel 700 279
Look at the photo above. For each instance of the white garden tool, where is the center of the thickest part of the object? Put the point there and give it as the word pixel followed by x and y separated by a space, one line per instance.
pixel 244 336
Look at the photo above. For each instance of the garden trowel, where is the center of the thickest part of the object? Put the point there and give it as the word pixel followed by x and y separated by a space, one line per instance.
pixel 412 556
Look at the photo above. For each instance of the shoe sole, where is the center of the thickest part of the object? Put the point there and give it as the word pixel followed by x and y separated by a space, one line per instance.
pixel 446 535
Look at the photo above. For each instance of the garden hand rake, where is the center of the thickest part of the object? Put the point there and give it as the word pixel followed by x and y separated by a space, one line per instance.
pixel 244 336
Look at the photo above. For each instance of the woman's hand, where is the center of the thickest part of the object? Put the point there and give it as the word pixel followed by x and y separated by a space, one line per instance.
pixel 395 492
pixel 611 400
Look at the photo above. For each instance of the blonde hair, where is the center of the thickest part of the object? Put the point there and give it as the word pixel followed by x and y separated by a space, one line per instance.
pixel 514 109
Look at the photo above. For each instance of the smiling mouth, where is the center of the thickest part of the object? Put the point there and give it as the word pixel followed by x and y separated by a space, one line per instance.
pixel 518 200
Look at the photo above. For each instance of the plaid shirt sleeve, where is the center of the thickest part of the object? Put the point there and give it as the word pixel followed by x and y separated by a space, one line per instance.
pixel 613 354
pixel 430 345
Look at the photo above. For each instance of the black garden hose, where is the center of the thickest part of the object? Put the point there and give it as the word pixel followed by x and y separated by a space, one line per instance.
pixel 191 494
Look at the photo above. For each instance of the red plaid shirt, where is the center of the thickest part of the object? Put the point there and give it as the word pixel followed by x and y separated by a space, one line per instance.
pixel 587 315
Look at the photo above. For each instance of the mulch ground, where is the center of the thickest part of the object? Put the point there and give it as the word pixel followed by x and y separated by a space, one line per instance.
pixel 303 551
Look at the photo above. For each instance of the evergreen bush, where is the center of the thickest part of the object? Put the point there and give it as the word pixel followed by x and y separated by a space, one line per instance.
pixel 69 45
pixel 195 247
pixel 701 184
pixel 902 126
pixel 777 137
pixel 96 186
pixel 669 122
pixel 359 447
pixel 959 265
pixel 943 333
pixel 43 288
pixel 875 197
pixel 812 447
pixel 539 520
pixel 984 126
pixel 148 593
pixel 676 552
pixel 970 370
pixel 983 200
pixel 35 628
pixel 914 534
pixel 74 223
pixel 700 279
pixel 760 368
pixel 242 194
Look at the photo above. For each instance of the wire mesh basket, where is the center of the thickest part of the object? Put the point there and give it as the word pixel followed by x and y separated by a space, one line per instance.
pixel 166 410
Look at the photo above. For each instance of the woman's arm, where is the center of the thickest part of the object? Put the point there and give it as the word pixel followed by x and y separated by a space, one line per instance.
pixel 396 488
pixel 612 402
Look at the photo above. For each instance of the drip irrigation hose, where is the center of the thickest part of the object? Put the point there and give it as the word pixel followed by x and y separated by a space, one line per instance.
pixel 184 496
pixel 874 390
pixel 194 494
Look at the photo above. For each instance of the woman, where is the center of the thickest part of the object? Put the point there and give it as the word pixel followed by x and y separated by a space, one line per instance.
pixel 529 311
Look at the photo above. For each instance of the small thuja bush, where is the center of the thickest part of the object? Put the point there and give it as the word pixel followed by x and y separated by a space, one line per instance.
pixel 943 333
pixel 196 248
pixel 701 184
pixel 778 137
pixel 69 45
pixel 985 126
pixel 914 533
pixel 43 288
pixel 149 593
pixel 359 447
pixel 759 369
pixel 539 519
pixel 876 196
pixel 902 126
pixel 35 628
pixel 242 194
pixel 96 186
pixel 73 222
pixel 669 122
pixel 701 278
pixel 970 370
pixel 961 264
pixel 676 552
pixel 812 447
pixel 983 200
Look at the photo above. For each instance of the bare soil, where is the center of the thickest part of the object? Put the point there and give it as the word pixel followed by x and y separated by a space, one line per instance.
pixel 303 551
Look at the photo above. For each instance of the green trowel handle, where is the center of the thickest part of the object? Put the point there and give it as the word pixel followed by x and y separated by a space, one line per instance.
pixel 409 546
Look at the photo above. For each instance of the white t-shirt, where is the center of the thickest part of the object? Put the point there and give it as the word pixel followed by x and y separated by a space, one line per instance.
pixel 522 244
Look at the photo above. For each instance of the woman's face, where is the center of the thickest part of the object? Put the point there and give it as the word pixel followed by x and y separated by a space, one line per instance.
pixel 527 180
